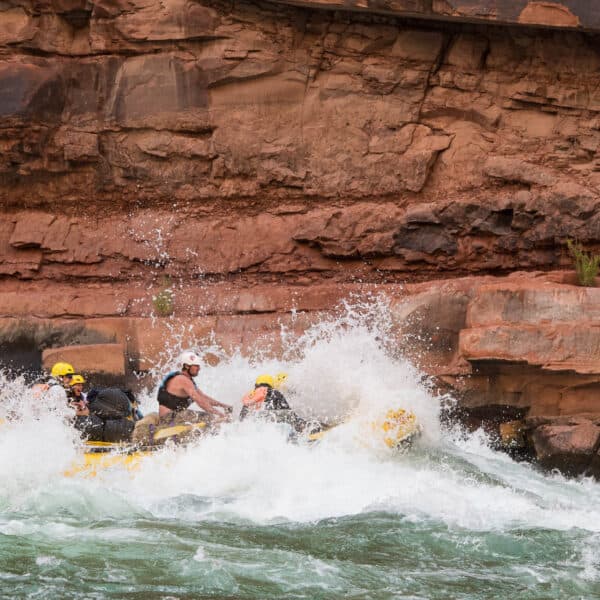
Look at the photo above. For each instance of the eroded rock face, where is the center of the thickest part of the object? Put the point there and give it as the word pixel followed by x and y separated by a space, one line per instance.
pixel 201 127
pixel 204 100
pixel 380 240
pixel 572 448
pixel 101 359
pixel 521 346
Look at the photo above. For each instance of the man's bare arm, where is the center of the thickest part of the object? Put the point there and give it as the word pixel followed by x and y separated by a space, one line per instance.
pixel 222 404
pixel 205 402
pixel 200 398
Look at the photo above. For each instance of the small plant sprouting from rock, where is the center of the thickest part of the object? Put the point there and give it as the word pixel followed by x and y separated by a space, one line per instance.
pixel 163 300
pixel 586 264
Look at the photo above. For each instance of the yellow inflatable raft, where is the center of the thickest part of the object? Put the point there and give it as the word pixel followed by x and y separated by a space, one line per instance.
pixel 397 430
pixel 99 456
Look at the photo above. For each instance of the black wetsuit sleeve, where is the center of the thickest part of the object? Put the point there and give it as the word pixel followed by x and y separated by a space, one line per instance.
pixel 275 400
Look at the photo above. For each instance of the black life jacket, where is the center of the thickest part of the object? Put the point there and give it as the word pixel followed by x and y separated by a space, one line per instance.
pixel 108 404
pixel 108 420
pixel 171 401
pixel 275 400
pixel 91 427
pixel 117 430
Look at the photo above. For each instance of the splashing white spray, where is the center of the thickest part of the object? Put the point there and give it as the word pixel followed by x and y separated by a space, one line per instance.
pixel 342 369
pixel 344 365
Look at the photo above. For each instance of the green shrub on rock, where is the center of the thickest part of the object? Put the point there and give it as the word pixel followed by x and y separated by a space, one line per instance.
pixel 586 264
pixel 163 302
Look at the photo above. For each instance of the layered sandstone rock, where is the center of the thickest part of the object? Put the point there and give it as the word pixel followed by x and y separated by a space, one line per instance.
pixel 524 340
pixel 100 359
pixel 572 447
pixel 524 347
pixel 379 240
pixel 190 101
pixel 254 140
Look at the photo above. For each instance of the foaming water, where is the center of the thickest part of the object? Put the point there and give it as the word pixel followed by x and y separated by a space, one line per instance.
pixel 246 513
pixel 36 444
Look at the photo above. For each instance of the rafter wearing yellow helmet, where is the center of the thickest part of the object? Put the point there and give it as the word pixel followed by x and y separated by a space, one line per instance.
pixel 265 380
pixel 274 382
pixel 53 388
pixel 76 379
pixel 62 369
pixel 266 396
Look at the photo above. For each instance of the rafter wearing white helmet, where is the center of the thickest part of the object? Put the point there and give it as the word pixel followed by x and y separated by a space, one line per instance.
pixel 178 390
pixel 189 359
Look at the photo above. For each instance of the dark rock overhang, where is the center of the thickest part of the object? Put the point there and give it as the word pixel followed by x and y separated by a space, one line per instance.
pixel 566 14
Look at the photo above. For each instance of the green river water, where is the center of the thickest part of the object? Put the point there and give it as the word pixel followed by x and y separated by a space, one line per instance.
pixel 245 514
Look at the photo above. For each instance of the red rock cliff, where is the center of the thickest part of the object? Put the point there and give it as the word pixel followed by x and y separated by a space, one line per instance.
pixel 395 147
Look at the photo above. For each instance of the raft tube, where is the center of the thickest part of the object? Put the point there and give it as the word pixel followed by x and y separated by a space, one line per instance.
pixel 398 430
